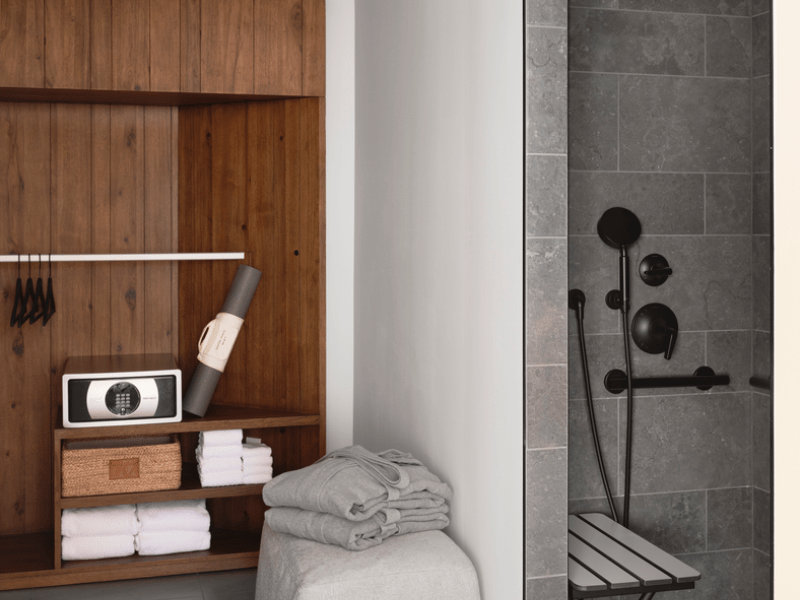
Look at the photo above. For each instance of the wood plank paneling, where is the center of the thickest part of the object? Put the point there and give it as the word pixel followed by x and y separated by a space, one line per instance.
pixel 226 52
pixel 126 149
pixel 229 234
pixel 130 45
pixel 158 148
pixel 24 380
pixel 101 228
pixel 279 47
pixel 165 45
pixel 313 47
pixel 22 43
pixel 100 44
pixel 190 45
pixel 67 52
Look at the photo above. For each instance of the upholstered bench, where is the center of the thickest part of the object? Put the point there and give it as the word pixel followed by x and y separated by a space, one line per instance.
pixel 416 566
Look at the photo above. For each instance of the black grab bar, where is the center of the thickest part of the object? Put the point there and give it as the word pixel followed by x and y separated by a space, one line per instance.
pixel 704 378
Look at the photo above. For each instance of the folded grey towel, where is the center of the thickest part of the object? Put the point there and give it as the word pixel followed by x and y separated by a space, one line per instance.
pixel 330 529
pixel 354 484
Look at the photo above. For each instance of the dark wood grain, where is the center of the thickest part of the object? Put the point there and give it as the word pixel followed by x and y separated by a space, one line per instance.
pixel 313 47
pixel 101 229
pixel 130 45
pixel 68 32
pixel 165 45
pixel 100 44
pixel 279 53
pixel 226 51
pixel 190 46
pixel 22 43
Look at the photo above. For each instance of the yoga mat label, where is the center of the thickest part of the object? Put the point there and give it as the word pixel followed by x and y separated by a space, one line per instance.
pixel 216 342
pixel 124 468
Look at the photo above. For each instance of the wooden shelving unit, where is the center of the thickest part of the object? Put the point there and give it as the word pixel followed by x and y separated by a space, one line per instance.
pixel 134 127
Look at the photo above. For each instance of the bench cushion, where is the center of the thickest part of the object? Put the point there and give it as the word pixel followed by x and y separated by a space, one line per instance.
pixel 416 566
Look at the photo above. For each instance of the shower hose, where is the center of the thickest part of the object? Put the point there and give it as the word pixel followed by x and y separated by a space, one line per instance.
pixel 577 301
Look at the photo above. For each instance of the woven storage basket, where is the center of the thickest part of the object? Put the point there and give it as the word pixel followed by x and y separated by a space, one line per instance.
pixel 120 465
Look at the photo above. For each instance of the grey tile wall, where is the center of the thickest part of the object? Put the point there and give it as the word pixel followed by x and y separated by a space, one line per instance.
pixel 669 114
pixel 546 299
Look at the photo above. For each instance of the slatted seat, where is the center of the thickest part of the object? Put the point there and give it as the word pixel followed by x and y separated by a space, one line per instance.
pixel 607 559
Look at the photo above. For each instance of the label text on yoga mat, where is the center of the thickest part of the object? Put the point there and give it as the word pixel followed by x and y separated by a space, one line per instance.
pixel 124 468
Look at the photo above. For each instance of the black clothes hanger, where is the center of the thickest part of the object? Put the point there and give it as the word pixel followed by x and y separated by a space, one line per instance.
pixel 39 301
pixel 15 316
pixel 50 301
pixel 30 297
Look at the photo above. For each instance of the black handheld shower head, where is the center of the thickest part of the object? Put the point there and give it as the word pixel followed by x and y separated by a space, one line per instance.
pixel 619 227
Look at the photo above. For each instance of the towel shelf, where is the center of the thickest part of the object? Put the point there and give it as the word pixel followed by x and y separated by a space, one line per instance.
pixel 25 258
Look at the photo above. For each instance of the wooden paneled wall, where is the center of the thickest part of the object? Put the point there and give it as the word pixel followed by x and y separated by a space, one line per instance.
pixel 78 179
pixel 269 47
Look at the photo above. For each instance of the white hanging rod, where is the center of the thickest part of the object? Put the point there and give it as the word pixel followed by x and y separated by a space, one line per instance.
pixel 34 258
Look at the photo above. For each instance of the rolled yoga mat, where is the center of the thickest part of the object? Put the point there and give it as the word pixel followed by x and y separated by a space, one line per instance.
pixel 217 340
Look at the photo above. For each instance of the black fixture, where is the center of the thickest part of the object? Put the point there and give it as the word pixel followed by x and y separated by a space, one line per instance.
pixel 654 269
pixel 655 329
pixel 761 382
pixel 619 227
pixel 704 378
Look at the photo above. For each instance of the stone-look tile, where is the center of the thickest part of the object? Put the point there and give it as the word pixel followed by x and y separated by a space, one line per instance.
pixel 729 353
pixel 546 193
pixel 666 203
pixel 762 44
pixel 690 124
pixel 762 283
pixel 762 125
pixel 546 303
pixel 690 442
pixel 584 474
pixel 725 575
pixel 708 7
pixel 762 441
pixel 614 41
pixel 728 204
pixel 547 407
pixel 593 268
pixel 592 121
pixel 594 3
pixel 675 522
pixel 762 521
pixel 760 6
pixel 762 356
pixel 762 203
pixel 546 519
pixel 728 47
pixel 546 12
pixel 547 90
pixel 730 518
pixel 606 352
pixel 594 505
pixel 762 576
pixel 711 286
pixel 546 588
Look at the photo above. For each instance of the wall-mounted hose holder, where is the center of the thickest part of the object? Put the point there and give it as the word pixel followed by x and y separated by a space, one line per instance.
pixel 655 329
pixel 654 269
pixel 704 379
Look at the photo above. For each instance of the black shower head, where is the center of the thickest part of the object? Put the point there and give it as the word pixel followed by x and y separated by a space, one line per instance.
pixel 619 227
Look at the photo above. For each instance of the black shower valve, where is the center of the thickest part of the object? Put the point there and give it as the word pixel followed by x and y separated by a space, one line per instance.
pixel 654 269
pixel 655 329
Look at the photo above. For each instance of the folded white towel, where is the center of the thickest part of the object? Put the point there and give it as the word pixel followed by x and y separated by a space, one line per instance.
pixel 265 461
pixel 183 515
pixel 211 465
pixel 99 520
pixel 219 478
pixel 250 451
pixel 149 543
pixel 96 546
pixel 256 470
pixel 223 437
pixel 231 450
pixel 257 478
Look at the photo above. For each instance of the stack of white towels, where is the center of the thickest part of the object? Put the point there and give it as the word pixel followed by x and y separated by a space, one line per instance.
pixel 222 459
pixel 170 527
pixel 151 528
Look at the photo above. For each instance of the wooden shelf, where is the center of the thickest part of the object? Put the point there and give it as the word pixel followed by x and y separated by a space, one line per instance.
pixel 190 490
pixel 217 417
pixel 25 553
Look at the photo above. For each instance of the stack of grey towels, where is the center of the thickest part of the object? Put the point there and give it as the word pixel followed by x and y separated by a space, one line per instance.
pixel 356 499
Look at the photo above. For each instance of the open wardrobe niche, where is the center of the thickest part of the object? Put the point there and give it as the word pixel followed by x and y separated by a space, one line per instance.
pixel 167 126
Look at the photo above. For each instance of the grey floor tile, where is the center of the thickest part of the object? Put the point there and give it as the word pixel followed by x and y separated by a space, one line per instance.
pixel 228 584
pixel 17 595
